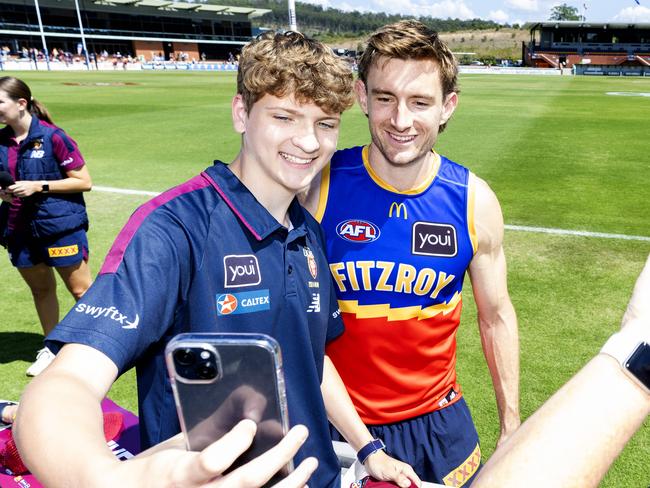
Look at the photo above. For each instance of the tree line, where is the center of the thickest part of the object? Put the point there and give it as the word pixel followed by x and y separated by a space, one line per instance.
pixel 318 21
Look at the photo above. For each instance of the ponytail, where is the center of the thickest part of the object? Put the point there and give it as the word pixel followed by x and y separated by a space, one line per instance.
pixel 38 109
pixel 17 89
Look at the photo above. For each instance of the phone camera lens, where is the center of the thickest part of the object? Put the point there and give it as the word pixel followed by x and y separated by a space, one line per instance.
pixel 206 371
pixel 185 357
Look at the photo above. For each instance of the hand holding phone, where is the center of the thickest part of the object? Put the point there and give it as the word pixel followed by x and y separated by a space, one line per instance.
pixel 219 380
pixel 174 466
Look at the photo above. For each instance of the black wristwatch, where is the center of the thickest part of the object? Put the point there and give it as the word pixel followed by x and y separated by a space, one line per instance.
pixel 631 348
pixel 45 187
pixel 638 364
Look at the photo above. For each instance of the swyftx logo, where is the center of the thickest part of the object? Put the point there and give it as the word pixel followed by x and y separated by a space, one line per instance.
pixel 109 312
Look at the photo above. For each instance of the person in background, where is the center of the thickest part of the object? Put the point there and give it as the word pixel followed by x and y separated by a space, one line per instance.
pixel 43 219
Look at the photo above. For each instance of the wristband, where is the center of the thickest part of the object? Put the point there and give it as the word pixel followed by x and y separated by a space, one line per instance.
pixel 372 447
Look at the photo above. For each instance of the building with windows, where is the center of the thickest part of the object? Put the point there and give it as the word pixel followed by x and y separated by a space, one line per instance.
pixel 140 28
pixel 594 48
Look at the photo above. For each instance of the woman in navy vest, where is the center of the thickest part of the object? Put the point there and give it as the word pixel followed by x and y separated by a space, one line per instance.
pixel 43 218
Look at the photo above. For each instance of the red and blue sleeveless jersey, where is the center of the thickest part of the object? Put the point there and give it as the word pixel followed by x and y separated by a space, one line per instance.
pixel 398 260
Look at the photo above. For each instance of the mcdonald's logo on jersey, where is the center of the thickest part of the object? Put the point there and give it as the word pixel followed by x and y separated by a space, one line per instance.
pixel 399 208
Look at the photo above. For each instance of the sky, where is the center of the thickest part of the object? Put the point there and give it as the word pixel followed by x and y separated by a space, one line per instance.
pixel 502 11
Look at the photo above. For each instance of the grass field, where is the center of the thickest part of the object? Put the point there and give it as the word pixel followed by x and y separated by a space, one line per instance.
pixel 558 152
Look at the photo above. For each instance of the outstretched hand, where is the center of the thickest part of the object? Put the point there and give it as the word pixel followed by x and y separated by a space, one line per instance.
pixel 169 464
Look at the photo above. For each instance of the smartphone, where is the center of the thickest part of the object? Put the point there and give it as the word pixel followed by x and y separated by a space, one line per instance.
pixel 6 180
pixel 219 379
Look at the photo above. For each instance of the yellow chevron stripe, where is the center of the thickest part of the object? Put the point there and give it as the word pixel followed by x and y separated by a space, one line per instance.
pixel 399 313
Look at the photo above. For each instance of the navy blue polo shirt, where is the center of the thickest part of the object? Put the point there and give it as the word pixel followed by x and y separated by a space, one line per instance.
pixel 207 256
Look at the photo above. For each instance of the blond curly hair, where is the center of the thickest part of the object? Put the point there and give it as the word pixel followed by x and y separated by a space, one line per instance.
pixel 289 63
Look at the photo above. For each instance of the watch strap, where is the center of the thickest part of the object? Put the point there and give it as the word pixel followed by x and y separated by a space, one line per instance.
pixel 372 447
pixel 623 344
pixel 45 187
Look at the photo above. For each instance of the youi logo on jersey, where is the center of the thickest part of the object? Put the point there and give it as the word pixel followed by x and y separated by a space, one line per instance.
pixel 241 270
pixel 431 239
pixel 355 230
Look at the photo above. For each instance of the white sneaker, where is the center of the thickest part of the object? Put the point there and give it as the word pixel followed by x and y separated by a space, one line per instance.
pixel 43 359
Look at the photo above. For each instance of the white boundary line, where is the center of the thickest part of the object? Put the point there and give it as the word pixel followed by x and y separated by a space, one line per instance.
pixel 110 189
pixel 524 228
pixel 582 233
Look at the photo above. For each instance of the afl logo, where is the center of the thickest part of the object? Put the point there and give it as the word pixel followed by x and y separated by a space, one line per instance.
pixel 226 304
pixel 358 231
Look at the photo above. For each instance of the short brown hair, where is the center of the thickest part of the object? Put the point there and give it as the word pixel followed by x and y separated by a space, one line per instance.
pixel 410 39
pixel 290 63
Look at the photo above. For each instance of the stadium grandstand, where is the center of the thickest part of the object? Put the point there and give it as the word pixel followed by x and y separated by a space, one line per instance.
pixel 590 48
pixel 147 30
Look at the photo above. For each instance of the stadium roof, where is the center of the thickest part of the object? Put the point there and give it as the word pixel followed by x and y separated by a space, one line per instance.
pixel 587 25
pixel 188 6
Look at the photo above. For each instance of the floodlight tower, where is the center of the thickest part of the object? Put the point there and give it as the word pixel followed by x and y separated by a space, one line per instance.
pixel 81 31
pixel 293 26
pixel 40 28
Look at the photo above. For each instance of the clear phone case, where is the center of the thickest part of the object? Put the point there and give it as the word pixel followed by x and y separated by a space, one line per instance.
pixel 219 379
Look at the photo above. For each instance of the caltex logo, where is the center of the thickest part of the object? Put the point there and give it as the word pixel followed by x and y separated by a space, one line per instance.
pixel 226 304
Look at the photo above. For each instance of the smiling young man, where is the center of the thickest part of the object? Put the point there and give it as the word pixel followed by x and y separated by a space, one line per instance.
pixel 399 256
pixel 169 271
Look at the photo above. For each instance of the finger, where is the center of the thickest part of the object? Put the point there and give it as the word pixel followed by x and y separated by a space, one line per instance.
pixel 398 476
pixel 246 401
pixel 219 455
pixel 409 477
pixel 270 430
pixel 262 468
pixel 299 477
pixel 254 406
